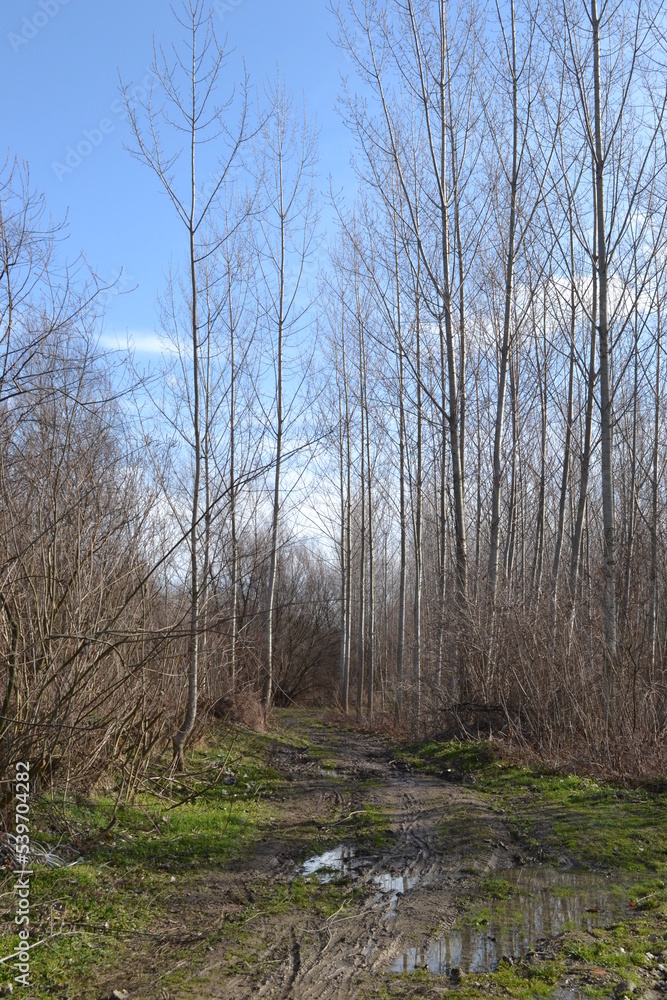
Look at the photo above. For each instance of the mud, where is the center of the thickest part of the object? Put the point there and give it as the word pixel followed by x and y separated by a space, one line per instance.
pixel 409 889
pixel 542 903
pixel 400 902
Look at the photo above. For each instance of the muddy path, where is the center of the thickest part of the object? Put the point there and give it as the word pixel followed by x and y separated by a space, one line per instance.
pixel 357 867
pixel 441 838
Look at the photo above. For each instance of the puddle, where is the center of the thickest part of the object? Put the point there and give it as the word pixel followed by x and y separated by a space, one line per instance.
pixel 328 772
pixel 344 862
pixel 330 865
pixel 543 902
pixel 395 884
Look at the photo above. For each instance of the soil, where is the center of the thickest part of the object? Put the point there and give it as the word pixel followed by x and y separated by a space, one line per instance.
pixel 295 953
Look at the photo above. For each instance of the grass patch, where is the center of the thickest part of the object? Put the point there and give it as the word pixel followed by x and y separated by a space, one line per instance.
pixel 597 826
pixel 89 914
pixel 307 894
pixel 593 823
pixel 159 854
pixel 369 828
pixel 495 887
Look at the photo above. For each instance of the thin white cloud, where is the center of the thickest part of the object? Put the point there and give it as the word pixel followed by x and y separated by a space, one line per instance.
pixel 140 341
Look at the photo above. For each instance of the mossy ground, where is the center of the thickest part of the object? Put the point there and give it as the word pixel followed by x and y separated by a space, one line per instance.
pixel 119 902
pixel 122 889
pixel 599 827
pixel 119 898
pixel 596 824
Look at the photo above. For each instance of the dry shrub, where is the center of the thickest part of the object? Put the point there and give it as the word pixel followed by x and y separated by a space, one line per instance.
pixel 242 708
pixel 542 691
pixel 382 724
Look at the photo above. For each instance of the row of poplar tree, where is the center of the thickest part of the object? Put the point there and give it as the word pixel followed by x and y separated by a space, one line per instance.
pixel 413 467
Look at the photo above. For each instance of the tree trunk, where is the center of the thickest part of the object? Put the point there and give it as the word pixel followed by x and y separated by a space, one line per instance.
pixel 232 492
pixel 417 616
pixel 456 449
pixel 361 640
pixel 342 672
pixel 655 484
pixel 400 680
pixel 538 560
pixel 576 555
pixel 510 544
pixel 632 513
pixel 606 402
pixel 568 436
pixel 193 637
pixel 494 544
pixel 267 694
pixel 370 678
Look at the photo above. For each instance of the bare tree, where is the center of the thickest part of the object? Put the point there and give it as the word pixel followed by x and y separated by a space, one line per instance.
pixel 407 49
pixel 187 80
pixel 286 220
pixel 608 64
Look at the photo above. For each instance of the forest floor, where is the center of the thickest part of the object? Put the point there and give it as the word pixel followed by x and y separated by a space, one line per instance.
pixel 326 862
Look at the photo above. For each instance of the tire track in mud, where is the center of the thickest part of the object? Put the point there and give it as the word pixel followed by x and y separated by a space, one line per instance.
pixel 414 886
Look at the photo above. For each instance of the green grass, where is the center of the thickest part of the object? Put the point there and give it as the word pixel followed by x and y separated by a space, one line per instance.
pixel 495 887
pixel 370 828
pixel 596 826
pixel 123 884
pixel 594 823
pixel 106 908
pixel 308 894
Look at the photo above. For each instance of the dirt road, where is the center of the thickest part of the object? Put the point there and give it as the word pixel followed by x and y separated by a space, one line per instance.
pixel 352 866
pixel 442 837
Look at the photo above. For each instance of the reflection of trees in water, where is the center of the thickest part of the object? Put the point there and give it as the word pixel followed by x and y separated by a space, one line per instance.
pixel 549 903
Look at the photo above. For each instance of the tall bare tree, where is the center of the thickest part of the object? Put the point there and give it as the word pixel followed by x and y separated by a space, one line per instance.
pixel 182 103
pixel 285 238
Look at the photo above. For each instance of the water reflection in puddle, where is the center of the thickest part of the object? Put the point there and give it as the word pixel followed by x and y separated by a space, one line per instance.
pixel 543 903
pixel 328 772
pixel 344 862
pixel 394 884
pixel 330 865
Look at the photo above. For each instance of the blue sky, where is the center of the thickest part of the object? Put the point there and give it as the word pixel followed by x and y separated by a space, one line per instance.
pixel 59 74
